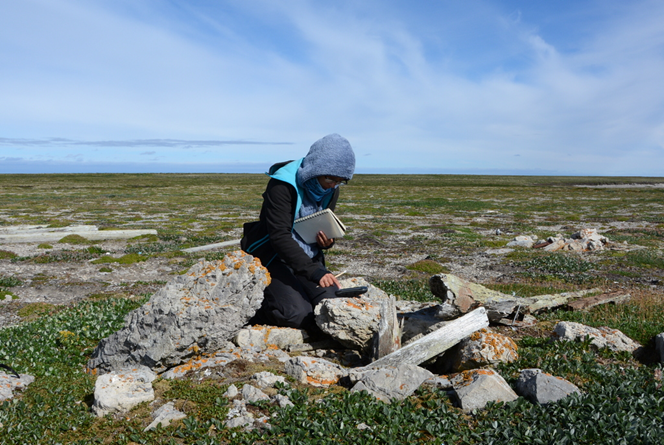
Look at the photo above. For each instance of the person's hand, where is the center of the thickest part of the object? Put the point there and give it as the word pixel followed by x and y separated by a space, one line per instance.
pixel 323 241
pixel 329 280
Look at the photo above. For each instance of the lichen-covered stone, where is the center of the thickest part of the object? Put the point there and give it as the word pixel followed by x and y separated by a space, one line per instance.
pixel 195 313
pixel 314 371
pixel 119 391
pixel 600 337
pixel 350 321
pixel 484 348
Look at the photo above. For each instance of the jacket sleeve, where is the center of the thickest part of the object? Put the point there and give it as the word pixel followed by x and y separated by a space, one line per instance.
pixel 279 201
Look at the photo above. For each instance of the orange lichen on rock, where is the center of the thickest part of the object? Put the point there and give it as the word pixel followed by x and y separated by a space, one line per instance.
pixel 324 382
pixel 358 303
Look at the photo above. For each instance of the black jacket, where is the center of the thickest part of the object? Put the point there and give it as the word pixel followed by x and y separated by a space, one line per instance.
pixel 270 238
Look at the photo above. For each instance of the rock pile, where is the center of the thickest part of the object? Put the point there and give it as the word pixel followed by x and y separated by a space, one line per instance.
pixel 187 328
pixel 584 240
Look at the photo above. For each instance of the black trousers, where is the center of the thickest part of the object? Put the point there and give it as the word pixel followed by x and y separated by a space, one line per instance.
pixel 290 299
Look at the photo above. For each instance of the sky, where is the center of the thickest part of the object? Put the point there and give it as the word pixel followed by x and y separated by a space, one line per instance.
pixel 571 87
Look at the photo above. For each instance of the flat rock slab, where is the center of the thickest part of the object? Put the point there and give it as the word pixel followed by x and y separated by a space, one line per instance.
pixel 9 384
pixel 540 387
pixel 602 337
pixel 120 391
pixel 270 337
pixel 392 382
pixel 314 371
pixel 193 314
pixel 475 388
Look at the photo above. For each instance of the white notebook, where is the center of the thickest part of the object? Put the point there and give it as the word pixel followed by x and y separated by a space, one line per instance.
pixel 324 220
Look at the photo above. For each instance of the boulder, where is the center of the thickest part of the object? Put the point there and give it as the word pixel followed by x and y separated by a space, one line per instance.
pixel 389 383
pixel 475 388
pixel 350 321
pixel 314 371
pixel 193 314
pixel 119 391
pixel 602 337
pixel 484 348
pixel 540 387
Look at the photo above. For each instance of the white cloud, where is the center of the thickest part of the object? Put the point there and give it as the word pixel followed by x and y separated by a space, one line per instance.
pixel 440 85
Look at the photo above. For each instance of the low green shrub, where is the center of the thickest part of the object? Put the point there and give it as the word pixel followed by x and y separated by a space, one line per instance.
pixel 74 239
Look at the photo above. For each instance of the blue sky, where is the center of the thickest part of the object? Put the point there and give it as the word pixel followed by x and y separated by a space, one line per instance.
pixel 479 87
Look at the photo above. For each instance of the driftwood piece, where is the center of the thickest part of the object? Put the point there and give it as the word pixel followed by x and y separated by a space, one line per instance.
pixel 42 234
pixel 586 303
pixel 437 342
pixel 212 246
pixel 460 296
pixel 388 337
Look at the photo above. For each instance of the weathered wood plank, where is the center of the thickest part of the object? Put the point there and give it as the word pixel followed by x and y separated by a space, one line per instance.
pixel 586 303
pixel 437 342
pixel 388 337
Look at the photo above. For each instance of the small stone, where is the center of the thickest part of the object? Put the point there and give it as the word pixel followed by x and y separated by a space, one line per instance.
pixel 231 392
pixel 252 394
pixel 267 380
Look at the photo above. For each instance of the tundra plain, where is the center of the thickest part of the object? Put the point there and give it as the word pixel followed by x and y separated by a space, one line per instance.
pixel 402 230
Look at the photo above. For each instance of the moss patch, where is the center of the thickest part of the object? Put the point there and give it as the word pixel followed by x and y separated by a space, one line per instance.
pixel 428 266
pixel 130 258
pixel 74 239
pixel 44 246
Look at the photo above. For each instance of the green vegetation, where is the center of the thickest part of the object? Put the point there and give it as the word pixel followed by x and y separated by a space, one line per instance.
pixel 428 267
pixel 5 254
pixel 129 258
pixel 45 246
pixel 620 400
pixel 74 239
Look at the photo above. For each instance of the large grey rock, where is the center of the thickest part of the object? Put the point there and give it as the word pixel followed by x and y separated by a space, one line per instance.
pixel 392 382
pixel 350 321
pixel 484 348
pixel 475 388
pixel 602 337
pixel 9 384
pixel 543 388
pixel 193 314
pixel 119 391
pixel 314 371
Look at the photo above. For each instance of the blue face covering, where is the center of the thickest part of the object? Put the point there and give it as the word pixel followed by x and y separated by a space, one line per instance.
pixel 317 191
